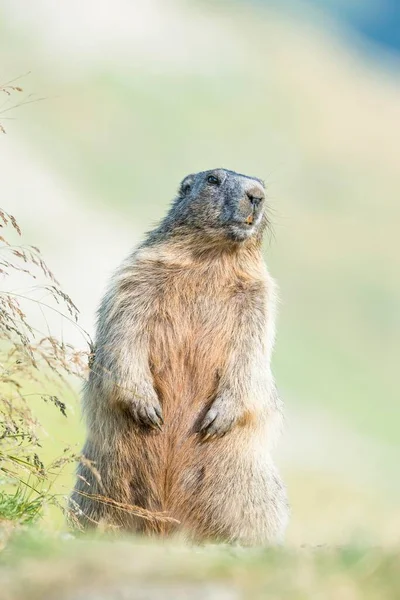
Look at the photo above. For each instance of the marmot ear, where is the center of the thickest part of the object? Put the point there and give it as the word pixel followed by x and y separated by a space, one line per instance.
pixel 186 185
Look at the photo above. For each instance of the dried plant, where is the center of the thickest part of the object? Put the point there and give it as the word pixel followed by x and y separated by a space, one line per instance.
pixel 9 91
pixel 30 360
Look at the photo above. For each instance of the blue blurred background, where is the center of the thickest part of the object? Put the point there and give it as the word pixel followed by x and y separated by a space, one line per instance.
pixel 303 94
pixel 377 21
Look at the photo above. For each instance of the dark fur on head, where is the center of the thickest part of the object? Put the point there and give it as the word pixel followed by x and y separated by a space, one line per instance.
pixel 222 205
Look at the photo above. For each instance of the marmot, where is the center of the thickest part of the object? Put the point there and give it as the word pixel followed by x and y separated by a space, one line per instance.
pixel 180 405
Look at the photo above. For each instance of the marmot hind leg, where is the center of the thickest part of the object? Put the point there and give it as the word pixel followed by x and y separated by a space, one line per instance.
pixel 103 493
pixel 246 506
pixel 111 493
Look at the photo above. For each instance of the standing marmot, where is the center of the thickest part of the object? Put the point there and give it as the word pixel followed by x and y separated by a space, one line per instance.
pixel 181 407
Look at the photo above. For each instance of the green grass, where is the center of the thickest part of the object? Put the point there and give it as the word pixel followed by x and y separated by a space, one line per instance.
pixel 20 506
pixel 60 437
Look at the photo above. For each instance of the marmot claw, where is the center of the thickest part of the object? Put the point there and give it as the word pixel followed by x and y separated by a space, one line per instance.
pixel 218 420
pixel 147 414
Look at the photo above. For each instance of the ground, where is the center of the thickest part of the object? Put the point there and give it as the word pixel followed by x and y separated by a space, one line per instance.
pixel 75 569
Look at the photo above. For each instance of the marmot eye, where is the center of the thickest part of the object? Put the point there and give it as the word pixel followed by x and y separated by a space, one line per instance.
pixel 213 180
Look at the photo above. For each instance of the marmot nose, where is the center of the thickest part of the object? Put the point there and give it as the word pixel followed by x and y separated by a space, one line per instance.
pixel 255 197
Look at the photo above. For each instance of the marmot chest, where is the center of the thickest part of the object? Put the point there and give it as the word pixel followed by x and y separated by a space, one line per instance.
pixel 192 331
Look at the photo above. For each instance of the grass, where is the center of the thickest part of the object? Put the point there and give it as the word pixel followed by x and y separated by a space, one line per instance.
pixel 34 361
pixel 20 506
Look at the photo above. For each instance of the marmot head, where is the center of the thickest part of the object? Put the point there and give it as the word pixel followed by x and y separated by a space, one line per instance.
pixel 221 204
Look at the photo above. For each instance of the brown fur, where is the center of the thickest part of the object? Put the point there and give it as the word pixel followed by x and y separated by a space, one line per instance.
pixel 187 323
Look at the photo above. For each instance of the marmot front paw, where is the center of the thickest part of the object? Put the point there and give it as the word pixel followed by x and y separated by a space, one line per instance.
pixel 148 415
pixel 146 410
pixel 220 418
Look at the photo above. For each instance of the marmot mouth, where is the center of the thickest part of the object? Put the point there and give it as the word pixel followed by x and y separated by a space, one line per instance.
pixel 248 223
pixel 250 219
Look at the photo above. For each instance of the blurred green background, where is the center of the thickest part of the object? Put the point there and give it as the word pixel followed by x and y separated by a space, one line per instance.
pixel 137 95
